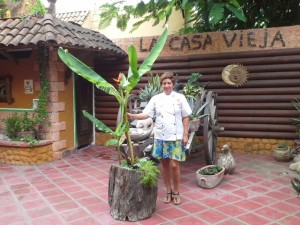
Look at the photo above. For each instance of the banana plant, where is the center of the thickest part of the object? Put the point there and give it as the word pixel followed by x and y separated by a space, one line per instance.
pixel 125 85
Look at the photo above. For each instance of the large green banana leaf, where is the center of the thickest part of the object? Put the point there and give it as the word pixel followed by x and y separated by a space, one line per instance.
pixel 86 72
pixel 134 76
pixel 146 66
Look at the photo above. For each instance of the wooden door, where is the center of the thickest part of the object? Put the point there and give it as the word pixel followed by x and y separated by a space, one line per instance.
pixel 84 101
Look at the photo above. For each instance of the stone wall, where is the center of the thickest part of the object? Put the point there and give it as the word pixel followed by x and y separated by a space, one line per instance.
pixel 21 153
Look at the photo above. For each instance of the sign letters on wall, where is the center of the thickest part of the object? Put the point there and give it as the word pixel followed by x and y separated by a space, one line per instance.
pixel 241 39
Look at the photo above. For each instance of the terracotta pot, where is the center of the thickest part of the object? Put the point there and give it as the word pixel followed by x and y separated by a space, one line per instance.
pixel 209 181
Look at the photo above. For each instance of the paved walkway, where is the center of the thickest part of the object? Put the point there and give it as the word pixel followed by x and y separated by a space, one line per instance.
pixel 74 191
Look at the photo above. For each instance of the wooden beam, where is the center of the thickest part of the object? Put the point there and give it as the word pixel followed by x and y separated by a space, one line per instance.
pixel 9 56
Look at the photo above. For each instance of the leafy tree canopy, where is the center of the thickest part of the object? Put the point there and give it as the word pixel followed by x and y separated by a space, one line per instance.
pixel 205 15
pixel 18 8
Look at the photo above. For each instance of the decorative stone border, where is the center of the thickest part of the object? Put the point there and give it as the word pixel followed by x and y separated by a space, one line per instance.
pixel 20 153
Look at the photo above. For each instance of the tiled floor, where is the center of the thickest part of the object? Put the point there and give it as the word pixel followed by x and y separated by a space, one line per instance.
pixel 74 191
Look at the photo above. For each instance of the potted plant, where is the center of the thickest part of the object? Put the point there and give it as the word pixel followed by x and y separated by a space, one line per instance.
pixel 152 88
pixel 193 88
pixel 282 152
pixel 130 197
pixel 192 91
pixel 210 176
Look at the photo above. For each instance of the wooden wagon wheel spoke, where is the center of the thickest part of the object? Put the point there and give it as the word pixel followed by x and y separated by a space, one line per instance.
pixel 210 124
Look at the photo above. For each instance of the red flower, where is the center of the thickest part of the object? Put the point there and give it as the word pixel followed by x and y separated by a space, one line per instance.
pixel 119 78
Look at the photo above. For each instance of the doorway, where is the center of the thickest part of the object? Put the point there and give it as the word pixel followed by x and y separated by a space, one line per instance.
pixel 84 101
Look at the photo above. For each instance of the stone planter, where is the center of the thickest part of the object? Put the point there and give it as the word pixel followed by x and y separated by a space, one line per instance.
pixel 21 153
pixel 282 154
pixel 128 199
pixel 209 181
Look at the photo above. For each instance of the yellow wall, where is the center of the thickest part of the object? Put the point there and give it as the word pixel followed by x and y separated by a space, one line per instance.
pixel 25 69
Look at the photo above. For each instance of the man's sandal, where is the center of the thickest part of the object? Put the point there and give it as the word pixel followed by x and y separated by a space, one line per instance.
pixel 168 198
pixel 176 198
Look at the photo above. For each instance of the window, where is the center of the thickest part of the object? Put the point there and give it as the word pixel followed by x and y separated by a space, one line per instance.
pixel 5 89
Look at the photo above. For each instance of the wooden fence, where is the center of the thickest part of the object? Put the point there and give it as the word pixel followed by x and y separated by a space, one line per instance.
pixel 261 108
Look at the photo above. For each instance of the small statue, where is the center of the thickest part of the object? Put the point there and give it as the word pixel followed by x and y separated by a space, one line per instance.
pixel 226 159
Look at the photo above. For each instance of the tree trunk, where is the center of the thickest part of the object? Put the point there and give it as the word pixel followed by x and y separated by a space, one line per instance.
pixel 128 199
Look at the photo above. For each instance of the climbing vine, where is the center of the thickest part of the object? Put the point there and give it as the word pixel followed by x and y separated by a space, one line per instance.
pixel 41 113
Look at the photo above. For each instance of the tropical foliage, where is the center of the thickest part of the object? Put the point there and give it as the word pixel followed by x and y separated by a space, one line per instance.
pixel 152 88
pixel 18 8
pixel 125 85
pixel 204 15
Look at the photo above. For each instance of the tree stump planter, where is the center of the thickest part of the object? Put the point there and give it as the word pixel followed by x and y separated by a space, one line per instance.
pixel 128 199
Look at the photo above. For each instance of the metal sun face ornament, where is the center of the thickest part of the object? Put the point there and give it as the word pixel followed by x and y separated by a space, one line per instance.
pixel 235 75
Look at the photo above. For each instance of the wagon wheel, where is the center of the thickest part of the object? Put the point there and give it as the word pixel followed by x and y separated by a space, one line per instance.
pixel 210 128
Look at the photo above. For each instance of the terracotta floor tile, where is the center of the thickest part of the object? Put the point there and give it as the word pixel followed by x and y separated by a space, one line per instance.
pixel 211 202
pixel 264 200
pixel 258 189
pixel 39 212
pixel 73 214
pixel 291 220
pixel 34 204
pixel 190 221
pixel 53 192
pixel 270 213
pixel 11 219
pixel 253 179
pixel 154 219
pixel 86 221
pixel 284 207
pixel 65 206
pixel 294 201
pixel 230 198
pixel 253 219
pixel 74 190
pixel 172 213
pixel 247 204
pixel 278 195
pixel 99 208
pixel 229 187
pixel 89 201
pixel 28 197
pixel 7 209
pixel 193 207
pixel 19 186
pixel 48 220
pixel 231 210
pixel 81 194
pixel 58 199
pixel 211 216
pixel 194 195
